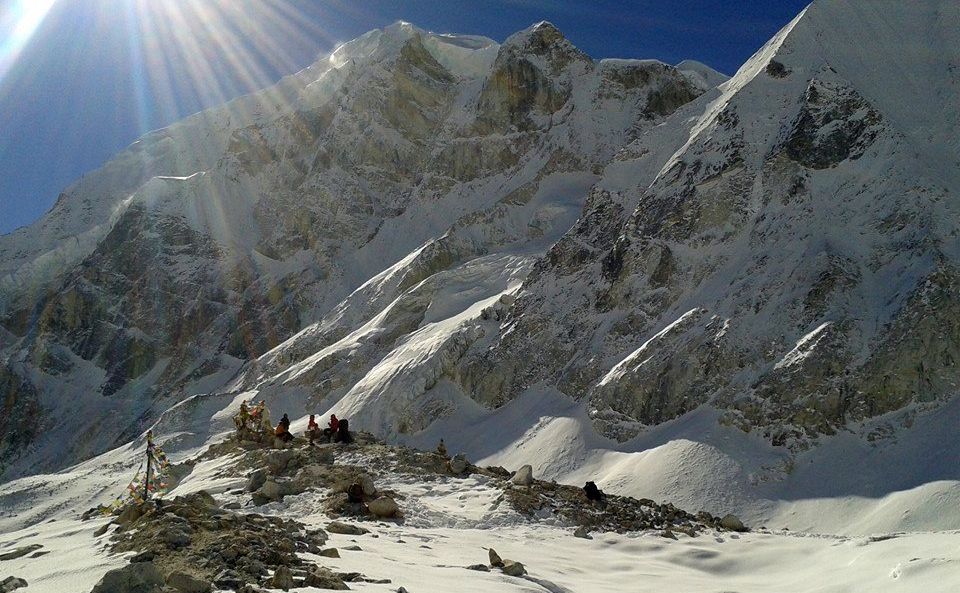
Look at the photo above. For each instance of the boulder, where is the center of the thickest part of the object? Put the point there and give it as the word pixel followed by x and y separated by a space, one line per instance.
pixel 11 584
pixel 20 552
pixel 523 477
pixel 459 464
pixel 583 532
pixel 226 579
pixel 495 560
pixel 282 579
pixel 187 583
pixel 323 578
pixel 330 553
pixel 383 507
pixel 101 530
pixel 366 482
pixel 139 577
pixel 177 537
pixel 346 528
pixel 479 567
pixel 513 568
pixel 276 490
pixel 129 514
pixel 732 523
pixel 279 461
pixel 256 480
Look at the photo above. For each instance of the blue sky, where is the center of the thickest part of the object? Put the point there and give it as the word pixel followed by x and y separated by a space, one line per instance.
pixel 81 79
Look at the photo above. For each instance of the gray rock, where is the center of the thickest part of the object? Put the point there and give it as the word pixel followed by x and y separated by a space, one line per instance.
pixel 282 579
pixel 495 560
pixel 583 532
pixel 513 568
pixel 523 477
pixel 186 583
pixel 139 577
pixel 278 461
pixel 323 578
pixel 366 482
pixel 129 514
pixel 20 552
pixel 459 464
pixel 177 537
pixel 329 553
pixel 383 507
pixel 346 528
pixel 256 479
pixel 11 584
pixel 479 567
pixel 732 523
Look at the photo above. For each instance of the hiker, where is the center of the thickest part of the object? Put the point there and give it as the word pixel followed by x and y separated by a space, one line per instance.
pixel 285 421
pixel 343 433
pixel 331 431
pixel 442 449
pixel 313 429
pixel 592 492
pixel 283 431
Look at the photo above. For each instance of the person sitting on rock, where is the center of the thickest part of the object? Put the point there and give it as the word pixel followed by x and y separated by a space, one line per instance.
pixel 331 431
pixel 313 429
pixel 442 449
pixel 283 431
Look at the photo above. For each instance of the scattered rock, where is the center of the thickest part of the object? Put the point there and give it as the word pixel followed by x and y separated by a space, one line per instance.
pixel 101 530
pixel 732 523
pixel 513 568
pixel 353 548
pixel 583 532
pixel 38 554
pixel 495 560
pixel 668 534
pixel 323 578
pixel 523 477
pixel 282 579
pixel 459 464
pixel 346 528
pixel 186 583
pixel 11 584
pixel 256 480
pixel 232 506
pixel 366 483
pixel 330 553
pixel 383 507
pixel 480 567
pixel 146 556
pixel 20 552
pixel 226 579
pixel 128 515
pixel 140 577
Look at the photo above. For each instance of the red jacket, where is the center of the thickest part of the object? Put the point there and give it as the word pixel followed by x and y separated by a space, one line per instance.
pixel 334 423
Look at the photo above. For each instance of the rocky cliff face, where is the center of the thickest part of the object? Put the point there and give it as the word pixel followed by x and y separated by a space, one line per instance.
pixel 352 193
pixel 791 256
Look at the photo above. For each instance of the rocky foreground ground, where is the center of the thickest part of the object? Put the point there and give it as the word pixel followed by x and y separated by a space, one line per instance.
pixel 198 543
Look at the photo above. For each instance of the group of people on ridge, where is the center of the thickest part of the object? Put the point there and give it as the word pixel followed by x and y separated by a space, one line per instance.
pixel 253 423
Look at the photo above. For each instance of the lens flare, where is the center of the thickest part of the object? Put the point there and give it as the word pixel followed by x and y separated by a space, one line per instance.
pixel 18 22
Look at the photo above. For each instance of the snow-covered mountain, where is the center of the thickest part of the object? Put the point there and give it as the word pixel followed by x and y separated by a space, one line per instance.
pixel 733 295
pixel 405 164
pixel 607 268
